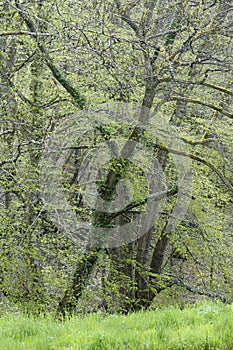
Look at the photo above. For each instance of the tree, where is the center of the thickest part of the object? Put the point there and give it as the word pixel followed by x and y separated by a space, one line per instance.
pixel 173 60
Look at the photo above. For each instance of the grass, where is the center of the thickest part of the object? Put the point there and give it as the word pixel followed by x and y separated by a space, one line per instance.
pixel 203 326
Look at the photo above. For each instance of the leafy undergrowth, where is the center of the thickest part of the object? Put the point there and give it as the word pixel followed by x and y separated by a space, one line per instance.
pixel 202 326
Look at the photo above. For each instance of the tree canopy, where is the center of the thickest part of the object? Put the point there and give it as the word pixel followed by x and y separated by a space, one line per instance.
pixel 150 80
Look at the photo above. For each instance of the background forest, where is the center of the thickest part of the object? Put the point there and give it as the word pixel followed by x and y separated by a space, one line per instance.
pixel 168 60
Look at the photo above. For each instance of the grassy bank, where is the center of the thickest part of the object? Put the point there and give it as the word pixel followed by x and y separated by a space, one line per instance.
pixel 202 326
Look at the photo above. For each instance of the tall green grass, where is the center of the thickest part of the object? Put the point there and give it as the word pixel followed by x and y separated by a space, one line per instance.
pixel 201 327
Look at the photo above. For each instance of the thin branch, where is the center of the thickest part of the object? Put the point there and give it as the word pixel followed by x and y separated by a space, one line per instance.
pixel 178 281
pixel 21 95
pixel 126 17
pixel 23 98
pixel 147 15
pixel 59 76
pixel 195 101
pixel 217 87
pixel 6 132
pixel 198 142
pixel 12 160
pixel 134 204
pixel 22 64
pixel 206 142
pixel 24 32
pixel 198 159
pixel 27 101
pixel 213 86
